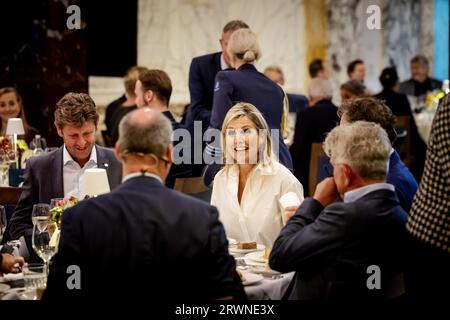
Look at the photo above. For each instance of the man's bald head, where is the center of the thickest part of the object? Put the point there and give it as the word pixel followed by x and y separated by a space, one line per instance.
pixel 145 131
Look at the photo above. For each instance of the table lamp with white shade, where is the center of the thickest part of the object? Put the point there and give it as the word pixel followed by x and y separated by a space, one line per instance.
pixel 95 182
pixel 15 128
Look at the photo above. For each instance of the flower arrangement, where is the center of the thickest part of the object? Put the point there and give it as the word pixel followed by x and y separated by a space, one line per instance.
pixel 433 98
pixel 56 213
pixel 7 147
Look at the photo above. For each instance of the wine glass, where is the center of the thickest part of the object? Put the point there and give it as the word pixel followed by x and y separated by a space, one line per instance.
pixel 40 210
pixel 45 238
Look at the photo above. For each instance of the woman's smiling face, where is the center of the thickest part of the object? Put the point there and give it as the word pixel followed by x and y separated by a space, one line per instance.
pixel 242 141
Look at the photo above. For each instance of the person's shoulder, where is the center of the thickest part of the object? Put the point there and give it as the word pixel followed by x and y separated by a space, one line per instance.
pixel 206 57
pixel 44 159
pixel 185 202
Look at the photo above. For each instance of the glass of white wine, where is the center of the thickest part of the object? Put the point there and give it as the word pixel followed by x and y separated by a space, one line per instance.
pixel 40 210
pixel 44 238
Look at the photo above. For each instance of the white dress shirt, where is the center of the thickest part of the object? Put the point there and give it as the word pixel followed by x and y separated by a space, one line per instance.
pixel 259 217
pixel 73 174
pixel 356 194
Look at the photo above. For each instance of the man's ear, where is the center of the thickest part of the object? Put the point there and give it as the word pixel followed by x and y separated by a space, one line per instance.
pixel 59 130
pixel 169 153
pixel 348 176
pixel 118 153
pixel 148 96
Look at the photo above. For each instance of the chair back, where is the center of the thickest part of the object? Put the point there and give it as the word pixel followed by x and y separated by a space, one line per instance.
pixel 403 143
pixel 318 157
pixel 194 187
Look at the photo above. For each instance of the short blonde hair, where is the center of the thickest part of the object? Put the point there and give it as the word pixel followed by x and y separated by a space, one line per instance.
pixel 362 145
pixel 243 109
pixel 243 45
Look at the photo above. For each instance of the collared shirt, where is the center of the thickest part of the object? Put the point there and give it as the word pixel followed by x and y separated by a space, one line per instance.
pixel 139 174
pixel 354 195
pixel 259 217
pixel 223 64
pixel 73 174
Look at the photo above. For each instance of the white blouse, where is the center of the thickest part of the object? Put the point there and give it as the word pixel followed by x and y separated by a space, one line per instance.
pixel 260 215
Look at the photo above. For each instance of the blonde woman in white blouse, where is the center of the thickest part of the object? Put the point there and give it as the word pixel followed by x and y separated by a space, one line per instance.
pixel 248 189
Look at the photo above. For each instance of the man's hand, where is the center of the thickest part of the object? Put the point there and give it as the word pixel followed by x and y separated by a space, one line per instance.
pixel 326 192
pixel 11 263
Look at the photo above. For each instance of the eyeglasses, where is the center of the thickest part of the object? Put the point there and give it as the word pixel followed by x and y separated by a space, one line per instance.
pixel 143 154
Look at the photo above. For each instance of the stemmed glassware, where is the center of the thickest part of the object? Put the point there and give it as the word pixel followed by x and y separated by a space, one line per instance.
pixel 44 238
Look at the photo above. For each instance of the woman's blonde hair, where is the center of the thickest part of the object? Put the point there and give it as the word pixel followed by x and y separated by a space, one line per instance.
pixel 243 45
pixel 243 109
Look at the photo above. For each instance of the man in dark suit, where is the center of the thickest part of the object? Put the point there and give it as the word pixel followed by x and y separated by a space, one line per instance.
pixel 333 246
pixel 153 90
pixel 420 83
pixel 372 110
pixel 202 73
pixel 60 173
pixel 143 235
pixel 312 125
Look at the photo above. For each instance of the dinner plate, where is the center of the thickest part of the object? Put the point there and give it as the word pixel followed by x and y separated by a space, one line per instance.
pixel 259 247
pixel 4 287
pixel 257 256
pixel 251 278
pixel 232 242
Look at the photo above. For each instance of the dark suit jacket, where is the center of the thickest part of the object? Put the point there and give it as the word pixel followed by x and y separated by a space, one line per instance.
pixel 337 243
pixel 398 102
pixel 43 180
pixel 312 125
pixel 248 85
pixel 202 72
pixel 143 238
pixel 297 102
pixel 413 88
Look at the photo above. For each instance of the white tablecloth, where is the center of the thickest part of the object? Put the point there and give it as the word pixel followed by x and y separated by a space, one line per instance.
pixel 269 289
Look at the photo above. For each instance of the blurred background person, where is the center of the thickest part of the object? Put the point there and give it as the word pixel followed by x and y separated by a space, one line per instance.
pixel 357 71
pixel 297 102
pixel 317 69
pixel 398 102
pixel 116 110
pixel 312 126
pixel 352 89
pixel 248 189
pixel 11 107
pixel 420 83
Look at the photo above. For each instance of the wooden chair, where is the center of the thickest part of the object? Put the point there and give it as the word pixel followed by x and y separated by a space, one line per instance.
pixel 403 144
pixel 316 154
pixel 194 187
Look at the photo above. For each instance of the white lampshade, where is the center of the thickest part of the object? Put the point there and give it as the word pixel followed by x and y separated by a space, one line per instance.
pixel 95 182
pixel 14 126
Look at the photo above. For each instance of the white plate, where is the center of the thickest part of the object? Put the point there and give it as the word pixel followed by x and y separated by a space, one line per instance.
pixel 251 278
pixel 257 256
pixel 4 287
pixel 259 247
pixel 232 242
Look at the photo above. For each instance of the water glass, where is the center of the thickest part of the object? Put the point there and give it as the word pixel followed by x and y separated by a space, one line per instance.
pixel 35 279
pixel 40 210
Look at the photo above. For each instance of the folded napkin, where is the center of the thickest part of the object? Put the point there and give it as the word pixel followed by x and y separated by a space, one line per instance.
pixel 11 277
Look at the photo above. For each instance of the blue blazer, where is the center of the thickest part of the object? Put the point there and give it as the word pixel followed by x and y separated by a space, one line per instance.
pixel 202 73
pixel 246 84
pixel 327 246
pixel 145 236
pixel 43 180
